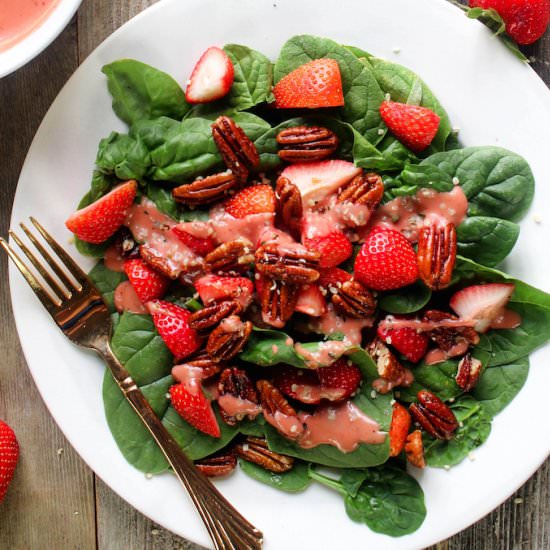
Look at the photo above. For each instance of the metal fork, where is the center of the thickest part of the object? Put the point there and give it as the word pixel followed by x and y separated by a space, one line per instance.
pixel 80 312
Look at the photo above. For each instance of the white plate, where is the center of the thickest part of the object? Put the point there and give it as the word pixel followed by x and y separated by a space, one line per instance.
pixel 489 94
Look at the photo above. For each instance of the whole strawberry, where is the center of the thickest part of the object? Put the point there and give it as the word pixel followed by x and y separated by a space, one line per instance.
pixel 9 453
pixel 386 260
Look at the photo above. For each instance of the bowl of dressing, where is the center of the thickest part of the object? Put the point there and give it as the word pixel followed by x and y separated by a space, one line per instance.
pixel 28 26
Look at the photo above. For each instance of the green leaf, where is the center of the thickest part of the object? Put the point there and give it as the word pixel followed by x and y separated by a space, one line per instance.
pixel 123 156
pixel 142 92
pixel 406 300
pixel 152 133
pixel 438 378
pixel 293 481
pixel 106 281
pixel 90 249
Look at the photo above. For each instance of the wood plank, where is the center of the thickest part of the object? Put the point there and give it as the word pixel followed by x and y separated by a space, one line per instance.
pixel 51 501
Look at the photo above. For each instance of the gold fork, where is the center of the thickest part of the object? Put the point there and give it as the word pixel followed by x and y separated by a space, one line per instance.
pixel 80 312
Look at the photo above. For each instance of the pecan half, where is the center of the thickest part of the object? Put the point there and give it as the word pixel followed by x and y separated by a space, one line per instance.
pixel 289 209
pixel 355 300
pixel 387 364
pixel 233 256
pixel 272 399
pixel 433 415
pixel 160 262
pixel 235 382
pixel 436 254
pixel 237 150
pixel 306 143
pixel 202 360
pixel 469 369
pixel 292 263
pixel 414 449
pixel 218 465
pixel 453 341
pixel 367 189
pixel 206 190
pixel 255 450
pixel 278 302
pixel 210 316
pixel 228 339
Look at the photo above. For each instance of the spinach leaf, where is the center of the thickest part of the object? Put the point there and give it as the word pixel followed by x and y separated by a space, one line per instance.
pixel 140 91
pixel 293 481
pixel 486 240
pixel 152 133
pixel 123 156
pixel 406 300
pixel 106 281
pixel 163 200
pixel 92 250
pixel 362 94
pixel 415 177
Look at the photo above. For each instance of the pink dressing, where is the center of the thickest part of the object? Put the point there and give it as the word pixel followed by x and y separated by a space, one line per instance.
pixel 227 228
pixel 126 299
pixel 327 353
pixel 506 319
pixel 344 426
pixel 235 406
pixel 390 323
pixel 331 323
pixel 189 376
pixel 113 260
pixel 290 426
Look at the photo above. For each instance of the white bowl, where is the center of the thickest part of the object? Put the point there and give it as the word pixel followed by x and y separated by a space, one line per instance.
pixel 41 37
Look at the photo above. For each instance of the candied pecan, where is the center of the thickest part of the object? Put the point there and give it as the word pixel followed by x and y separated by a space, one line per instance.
pixel 272 399
pixel 231 256
pixel 217 465
pixel 433 415
pixel 278 302
pixel 255 450
pixel 202 360
pixel 306 143
pixel 235 382
pixel 206 190
pixel 160 262
pixel 436 254
pixel 453 341
pixel 125 244
pixel 355 300
pixel 237 150
pixel 289 207
pixel 208 317
pixel 387 364
pixel 469 369
pixel 414 449
pixel 228 339
pixel 292 263
pixel 367 189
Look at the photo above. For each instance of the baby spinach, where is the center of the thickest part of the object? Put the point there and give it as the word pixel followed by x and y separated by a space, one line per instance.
pixel 293 481
pixel 406 300
pixel 152 133
pixel 106 282
pixel 123 156
pixel 140 91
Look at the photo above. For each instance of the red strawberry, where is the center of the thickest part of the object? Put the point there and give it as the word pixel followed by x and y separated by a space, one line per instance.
pixel 9 453
pixel 211 78
pixel 399 428
pixel 98 221
pixel 342 378
pixel 212 288
pixel 148 283
pixel 311 301
pixel 257 199
pixel 386 260
pixel 172 323
pixel 192 405
pixel 411 343
pixel 315 84
pixel 412 125
pixel 335 248
pixel 482 303
pixel 200 246
pixel 332 277
pixel 300 384
pixel 317 180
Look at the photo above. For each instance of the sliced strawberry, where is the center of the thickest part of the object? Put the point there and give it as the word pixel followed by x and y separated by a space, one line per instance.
pixel 192 405
pixel 257 199
pixel 9 453
pixel 386 260
pixel 311 301
pixel 98 221
pixel 332 278
pixel 213 288
pixel 335 248
pixel 411 343
pixel 211 78
pixel 312 85
pixel 341 379
pixel 412 125
pixel 148 283
pixel 317 180
pixel 482 303
pixel 300 384
pixel 399 428
pixel 200 246
pixel 172 323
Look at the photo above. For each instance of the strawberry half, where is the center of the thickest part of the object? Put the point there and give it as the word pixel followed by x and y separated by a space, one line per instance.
pixel 200 246
pixel 412 125
pixel 310 301
pixel 192 405
pixel 211 78
pixel 172 323
pixel 411 343
pixel 98 221
pixel 341 379
pixel 312 85
pixel 386 260
pixel 213 288
pixel 399 428
pixel 257 199
pixel 9 453
pixel 335 248
pixel 482 303
pixel 148 283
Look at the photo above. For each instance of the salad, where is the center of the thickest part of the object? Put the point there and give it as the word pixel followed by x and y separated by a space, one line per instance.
pixel 302 261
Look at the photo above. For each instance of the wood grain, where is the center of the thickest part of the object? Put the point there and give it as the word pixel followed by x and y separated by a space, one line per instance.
pixel 55 501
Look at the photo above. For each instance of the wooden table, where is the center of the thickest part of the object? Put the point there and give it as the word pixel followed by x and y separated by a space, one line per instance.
pixel 56 501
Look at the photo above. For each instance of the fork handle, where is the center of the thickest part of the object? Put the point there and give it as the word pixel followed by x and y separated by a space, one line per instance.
pixel 228 529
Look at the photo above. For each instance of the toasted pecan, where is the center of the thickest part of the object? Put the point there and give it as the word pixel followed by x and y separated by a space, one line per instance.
pixel 278 302
pixel 433 415
pixel 232 256
pixel 289 209
pixel 206 190
pixel 436 254
pixel 255 450
pixel 306 143
pixel 367 189
pixel 355 300
pixel 228 339
pixel 208 317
